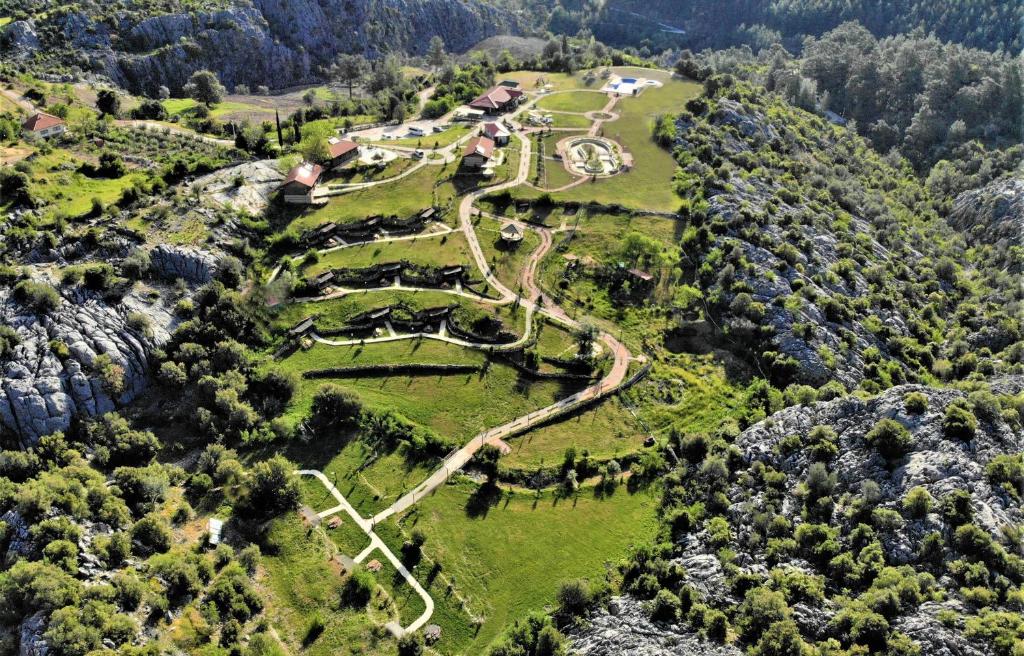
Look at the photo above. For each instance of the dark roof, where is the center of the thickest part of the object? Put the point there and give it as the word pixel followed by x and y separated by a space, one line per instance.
pixel 302 327
pixel 339 147
pixel 41 121
pixel 479 146
pixel 306 174
pixel 326 276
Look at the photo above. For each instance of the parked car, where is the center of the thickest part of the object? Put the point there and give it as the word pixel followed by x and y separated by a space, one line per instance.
pixel 417 132
pixel 417 154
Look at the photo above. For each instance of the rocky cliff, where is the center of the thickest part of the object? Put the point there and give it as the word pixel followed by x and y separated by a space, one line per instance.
pixel 51 375
pixel 255 42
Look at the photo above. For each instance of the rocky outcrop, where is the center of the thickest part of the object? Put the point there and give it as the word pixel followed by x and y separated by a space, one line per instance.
pixel 20 39
pixel 272 42
pixel 189 264
pixel 43 386
pixel 992 215
pixel 625 628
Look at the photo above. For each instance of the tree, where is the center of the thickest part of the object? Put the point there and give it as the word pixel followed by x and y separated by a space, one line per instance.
pixel 334 406
pixel 410 644
pixel 436 55
pixel 358 588
pixel 108 102
pixel 204 87
pixel 574 598
pixel 271 489
pixel 349 69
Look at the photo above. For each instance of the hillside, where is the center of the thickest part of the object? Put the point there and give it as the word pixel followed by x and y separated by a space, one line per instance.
pixel 826 260
pixel 260 42
pixel 876 524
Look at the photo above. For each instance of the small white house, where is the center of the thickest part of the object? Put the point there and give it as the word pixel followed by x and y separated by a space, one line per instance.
pixel 43 126
pixel 215 528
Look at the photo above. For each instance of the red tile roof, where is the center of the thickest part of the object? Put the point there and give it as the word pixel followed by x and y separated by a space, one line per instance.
pixel 41 121
pixel 496 98
pixel 494 129
pixel 479 146
pixel 339 147
pixel 306 174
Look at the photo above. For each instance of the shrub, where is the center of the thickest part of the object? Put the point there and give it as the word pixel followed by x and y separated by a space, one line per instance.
pixel 760 609
pixel 915 402
pixel 1007 471
pixel 665 607
pixel 410 644
pixel 336 407
pixel 271 489
pixel 574 598
pixel 959 422
pixel 890 438
pixel 918 503
pixel 151 535
pixel 39 297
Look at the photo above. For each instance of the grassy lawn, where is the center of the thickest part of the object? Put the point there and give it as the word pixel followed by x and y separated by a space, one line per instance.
pixel 532 80
pixel 299 581
pixel 336 312
pixel 511 560
pixel 574 101
pixel 456 406
pixel 605 431
pixel 220 110
pixel 570 121
pixel 361 173
pixel 402 198
pixel 428 250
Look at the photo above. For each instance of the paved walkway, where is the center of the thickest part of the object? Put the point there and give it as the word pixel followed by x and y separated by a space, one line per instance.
pixel 375 544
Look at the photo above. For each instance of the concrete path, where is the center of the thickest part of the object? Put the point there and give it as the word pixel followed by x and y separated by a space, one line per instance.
pixel 375 544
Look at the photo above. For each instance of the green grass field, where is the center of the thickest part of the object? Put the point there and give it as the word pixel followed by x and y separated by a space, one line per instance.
pixel 299 582
pixel 570 121
pixel 68 192
pixel 606 431
pixel 428 250
pixel 506 263
pixel 511 560
pixel 578 102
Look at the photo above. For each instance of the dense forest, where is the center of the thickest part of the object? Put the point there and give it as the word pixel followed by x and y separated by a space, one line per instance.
pixel 985 24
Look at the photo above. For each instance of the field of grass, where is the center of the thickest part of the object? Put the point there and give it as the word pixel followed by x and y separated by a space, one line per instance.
pixel 574 101
pixel 402 198
pixel 511 559
pixel 429 250
pixel 559 120
pixel 605 431
pixel 69 192
pixel 299 581
pixel 532 80
pixel 184 106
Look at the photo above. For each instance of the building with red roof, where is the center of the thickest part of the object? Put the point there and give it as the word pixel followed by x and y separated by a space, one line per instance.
pixel 301 182
pixel 497 133
pixel 477 153
pixel 341 151
pixel 497 100
pixel 43 125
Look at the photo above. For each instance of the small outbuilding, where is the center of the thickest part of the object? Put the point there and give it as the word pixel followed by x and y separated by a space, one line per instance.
pixel 341 151
pixel 302 328
pixel 431 633
pixel 215 528
pixel 511 233
pixel 497 133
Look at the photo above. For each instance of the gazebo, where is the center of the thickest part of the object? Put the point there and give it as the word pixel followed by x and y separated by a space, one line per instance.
pixel 511 233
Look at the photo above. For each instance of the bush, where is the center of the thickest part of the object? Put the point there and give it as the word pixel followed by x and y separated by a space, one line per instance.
pixel 890 438
pixel 574 598
pixel 915 403
pixel 760 609
pixel 271 489
pixel 38 296
pixel 918 503
pixel 665 607
pixel 959 422
pixel 150 535
pixel 410 644
pixel 335 407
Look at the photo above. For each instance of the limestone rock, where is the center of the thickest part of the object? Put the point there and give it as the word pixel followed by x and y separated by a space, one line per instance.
pixel 190 264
